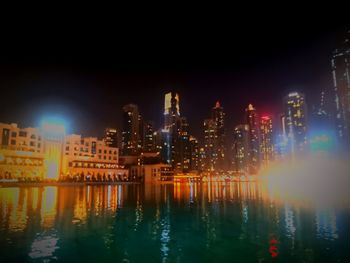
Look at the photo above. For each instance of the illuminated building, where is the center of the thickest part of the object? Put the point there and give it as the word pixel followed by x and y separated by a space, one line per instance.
pixel 295 122
pixel 252 121
pixel 46 153
pixel 202 159
pixel 53 134
pixel 209 144
pixel 153 173
pixel 149 140
pixel 172 123
pixel 131 130
pixel 177 134
pixel 21 152
pixel 141 136
pixel 341 82
pixel 266 140
pixel 194 164
pixel 171 109
pixel 163 145
pixel 218 116
pixel 111 137
pixel 183 151
pixel 240 148
pixel 91 159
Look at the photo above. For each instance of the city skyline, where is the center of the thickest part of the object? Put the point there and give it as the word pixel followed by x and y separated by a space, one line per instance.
pixel 92 97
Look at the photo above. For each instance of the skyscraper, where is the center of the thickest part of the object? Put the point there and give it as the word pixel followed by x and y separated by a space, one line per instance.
pixel 209 144
pixel 194 154
pixel 218 117
pixel 295 122
pixel 171 109
pixel 240 148
pixel 141 136
pixel 341 79
pixel 183 149
pixel 111 137
pixel 253 139
pixel 131 130
pixel 266 140
pixel 163 145
pixel 149 140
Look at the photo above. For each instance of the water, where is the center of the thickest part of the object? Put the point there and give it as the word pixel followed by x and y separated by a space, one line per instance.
pixel 212 222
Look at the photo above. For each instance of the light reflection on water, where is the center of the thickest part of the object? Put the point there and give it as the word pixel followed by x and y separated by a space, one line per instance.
pixel 166 223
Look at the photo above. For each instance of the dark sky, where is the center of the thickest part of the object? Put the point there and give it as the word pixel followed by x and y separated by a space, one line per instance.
pixel 88 79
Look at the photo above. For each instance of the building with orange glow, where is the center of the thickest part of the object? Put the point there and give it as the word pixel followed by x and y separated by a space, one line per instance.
pixel 30 152
pixel 91 159
pixel 295 112
pixel 240 149
pixel 153 173
pixel 252 121
pixel 266 140
pixel 47 153
pixel 209 145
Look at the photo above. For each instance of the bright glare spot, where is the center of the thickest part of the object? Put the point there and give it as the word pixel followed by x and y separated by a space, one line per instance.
pixel 323 179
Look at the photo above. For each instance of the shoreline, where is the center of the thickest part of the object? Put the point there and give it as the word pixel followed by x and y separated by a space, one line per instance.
pixel 42 184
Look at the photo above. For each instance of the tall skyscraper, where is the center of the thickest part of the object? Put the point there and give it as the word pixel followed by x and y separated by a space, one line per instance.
pixel 171 109
pixel 202 159
pixel 218 117
pixel 163 145
pixel 111 137
pixel 209 144
pixel 194 154
pixel 341 79
pixel 240 148
pixel 266 140
pixel 149 140
pixel 141 132
pixel 131 130
pixel 183 149
pixel 295 122
pixel 177 128
pixel 252 121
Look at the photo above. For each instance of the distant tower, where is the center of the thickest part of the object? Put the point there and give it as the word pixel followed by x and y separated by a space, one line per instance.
pixel 209 144
pixel 194 154
pixel 295 121
pixel 341 79
pixel 183 152
pixel 171 109
pixel 252 121
pixel 266 142
pixel 163 145
pixel 218 117
pixel 131 130
pixel 111 137
pixel 240 148
pixel 149 140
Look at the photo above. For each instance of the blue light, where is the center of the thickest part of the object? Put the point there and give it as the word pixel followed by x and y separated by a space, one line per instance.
pixel 322 140
pixel 54 121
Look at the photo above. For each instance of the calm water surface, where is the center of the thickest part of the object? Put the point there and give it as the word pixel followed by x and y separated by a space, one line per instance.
pixel 211 222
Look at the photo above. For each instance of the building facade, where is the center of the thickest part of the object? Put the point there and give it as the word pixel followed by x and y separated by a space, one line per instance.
pixel 218 116
pixel 267 150
pixel 131 130
pixel 341 90
pixel 295 117
pixel 252 120
pixel 46 153
pixel 240 149
pixel 112 137
pixel 209 145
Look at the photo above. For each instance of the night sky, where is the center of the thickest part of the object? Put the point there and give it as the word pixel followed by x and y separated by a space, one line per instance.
pixel 88 80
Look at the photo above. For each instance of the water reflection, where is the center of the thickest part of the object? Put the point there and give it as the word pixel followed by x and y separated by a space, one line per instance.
pixel 167 223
